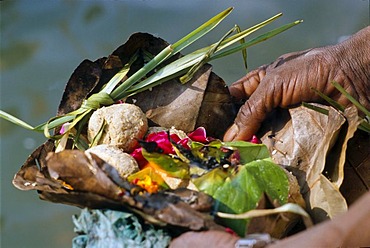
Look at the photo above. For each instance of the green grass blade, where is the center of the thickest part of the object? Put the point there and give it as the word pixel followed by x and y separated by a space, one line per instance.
pixel 329 100
pixel 350 98
pixel 256 40
pixel 166 53
pixel 15 120
pixel 98 136
pixel 159 58
pixel 364 126
pixel 153 83
pixel 116 79
pixel 201 31
pixel 244 51
pixel 205 58
pixel 241 35
pixel 168 72
pixel 196 57
pixel 55 122
pixel 315 108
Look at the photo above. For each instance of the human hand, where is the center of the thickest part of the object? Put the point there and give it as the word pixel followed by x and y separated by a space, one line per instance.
pixel 206 239
pixel 289 81
pixel 347 230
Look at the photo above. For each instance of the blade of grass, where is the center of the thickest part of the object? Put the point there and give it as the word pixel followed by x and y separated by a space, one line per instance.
pixel 364 125
pixel 201 31
pixel 239 36
pixel 166 53
pixel 256 40
pixel 195 57
pixel 329 100
pixel 244 51
pixel 116 79
pixel 205 58
pixel 349 97
pixel 316 108
pixel 180 65
pixel 15 120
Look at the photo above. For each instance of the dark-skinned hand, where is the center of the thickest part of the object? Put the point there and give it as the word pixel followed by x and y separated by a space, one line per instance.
pixel 288 82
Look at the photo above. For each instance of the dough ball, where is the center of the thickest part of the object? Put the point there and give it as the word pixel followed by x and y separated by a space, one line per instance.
pixel 124 163
pixel 124 123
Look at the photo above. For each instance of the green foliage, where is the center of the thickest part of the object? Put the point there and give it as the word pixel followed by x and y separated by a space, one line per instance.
pixel 172 166
pixel 239 190
pixel 364 125
pixel 139 81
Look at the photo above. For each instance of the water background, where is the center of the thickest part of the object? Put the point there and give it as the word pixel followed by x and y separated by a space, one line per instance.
pixel 42 42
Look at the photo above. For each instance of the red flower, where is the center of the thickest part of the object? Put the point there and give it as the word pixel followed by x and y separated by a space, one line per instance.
pixel 165 145
pixel 138 156
pixel 200 135
pixel 161 138
pixel 255 140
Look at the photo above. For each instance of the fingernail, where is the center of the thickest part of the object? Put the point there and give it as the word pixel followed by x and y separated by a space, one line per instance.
pixel 231 133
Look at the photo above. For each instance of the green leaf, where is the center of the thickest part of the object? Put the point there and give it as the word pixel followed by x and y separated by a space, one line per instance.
pixel 166 53
pixel 204 151
pixel 328 99
pixel 349 97
pixel 15 120
pixel 256 40
pixel 201 31
pixel 116 79
pixel 240 192
pixel 249 151
pixel 172 166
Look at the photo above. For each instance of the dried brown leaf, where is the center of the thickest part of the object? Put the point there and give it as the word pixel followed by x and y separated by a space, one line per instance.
pixel 70 177
pixel 313 146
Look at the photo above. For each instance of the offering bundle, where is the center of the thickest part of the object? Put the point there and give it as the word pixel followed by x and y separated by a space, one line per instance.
pixel 140 132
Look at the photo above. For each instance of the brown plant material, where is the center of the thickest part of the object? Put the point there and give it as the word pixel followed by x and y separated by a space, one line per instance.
pixel 77 180
pixel 313 146
pixel 356 168
pixel 70 177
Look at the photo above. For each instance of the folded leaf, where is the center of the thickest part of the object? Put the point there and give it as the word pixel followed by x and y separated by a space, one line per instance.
pixel 313 146
pixel 238 192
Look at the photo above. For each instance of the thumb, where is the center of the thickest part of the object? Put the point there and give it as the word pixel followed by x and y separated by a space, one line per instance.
pixel 248 120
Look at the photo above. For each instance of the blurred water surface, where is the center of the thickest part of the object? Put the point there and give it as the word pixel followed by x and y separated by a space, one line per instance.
pixel 42 42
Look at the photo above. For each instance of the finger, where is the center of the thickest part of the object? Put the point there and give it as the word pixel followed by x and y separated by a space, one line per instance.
pixel 244 87
pixel 248 120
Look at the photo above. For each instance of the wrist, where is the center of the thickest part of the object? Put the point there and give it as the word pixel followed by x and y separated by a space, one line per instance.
pixel 353 55
pixel 353 59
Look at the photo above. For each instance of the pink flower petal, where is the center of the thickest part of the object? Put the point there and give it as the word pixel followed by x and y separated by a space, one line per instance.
pixel 255 140
pixel 199 135
pixel 138 156
pixel 64 128
pixel 161 138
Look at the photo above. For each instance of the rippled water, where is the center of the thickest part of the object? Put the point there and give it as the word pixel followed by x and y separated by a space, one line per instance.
pixel 42 42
